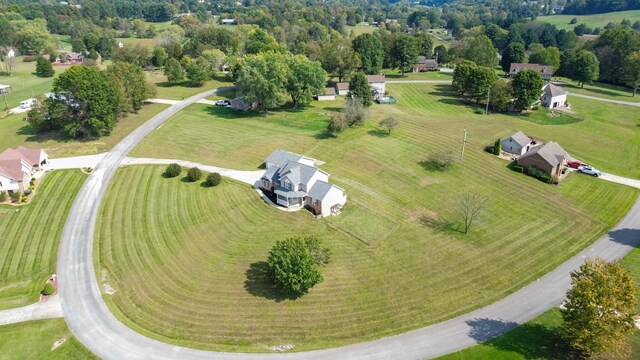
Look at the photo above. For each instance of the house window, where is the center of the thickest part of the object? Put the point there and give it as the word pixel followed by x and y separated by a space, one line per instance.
pixel 286 184
pixel 315 202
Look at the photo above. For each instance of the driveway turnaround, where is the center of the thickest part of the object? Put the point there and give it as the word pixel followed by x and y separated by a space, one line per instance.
pixel 46 309
pixel 93 324
pixel 76 162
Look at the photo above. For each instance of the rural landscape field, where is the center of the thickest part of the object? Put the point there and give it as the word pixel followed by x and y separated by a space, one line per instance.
pixel 315 180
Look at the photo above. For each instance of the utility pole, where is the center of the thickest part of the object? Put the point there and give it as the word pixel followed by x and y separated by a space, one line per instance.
pixel 486 109
pixel 464 142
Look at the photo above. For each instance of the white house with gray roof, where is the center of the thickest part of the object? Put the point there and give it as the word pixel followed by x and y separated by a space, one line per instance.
pixel 517 144
pixel 295 183
pixel 553 96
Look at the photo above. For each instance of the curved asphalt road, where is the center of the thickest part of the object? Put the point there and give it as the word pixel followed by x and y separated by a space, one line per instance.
pixel 93 324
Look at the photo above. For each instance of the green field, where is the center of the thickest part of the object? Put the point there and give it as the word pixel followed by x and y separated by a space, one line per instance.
pixel 34 340
pixel 414 272
pixel 57 144
pixel 537 339
pixel 593 21
pixel 181 91
pixel 361 29
pixel 30 235
pixel 394 74
pixel 25 84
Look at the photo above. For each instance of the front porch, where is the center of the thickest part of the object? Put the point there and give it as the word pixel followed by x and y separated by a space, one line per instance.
pixel 290 199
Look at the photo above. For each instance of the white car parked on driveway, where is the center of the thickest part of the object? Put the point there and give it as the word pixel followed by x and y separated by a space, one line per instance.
pixel 585 169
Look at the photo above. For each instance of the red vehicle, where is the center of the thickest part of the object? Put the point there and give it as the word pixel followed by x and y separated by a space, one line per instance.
pixel 574 164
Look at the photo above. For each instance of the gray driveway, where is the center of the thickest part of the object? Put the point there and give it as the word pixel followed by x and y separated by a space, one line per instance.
pixel 46 309
pixel 93 324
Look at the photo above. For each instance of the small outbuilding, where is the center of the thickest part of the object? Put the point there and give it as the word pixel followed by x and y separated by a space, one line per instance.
pixel 553 97
pixel 329 94
pixel 517 144
pixel 240 103
pixel 342 88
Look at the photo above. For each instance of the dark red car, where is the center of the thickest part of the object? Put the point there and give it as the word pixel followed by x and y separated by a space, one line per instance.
pixel 574 164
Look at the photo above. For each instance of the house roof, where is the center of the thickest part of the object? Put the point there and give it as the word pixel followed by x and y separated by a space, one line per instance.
pixel 553 90
pixel 320 189
pixel 376 78
pixel 298 173
pixel 544 69
pixel 282 157
pixel 329 91
pixel 29 155
pixel 288 193
pixel 520 138
pixel 74 56
pixel 551 152
pixel 12 169
pixel 427 62
pixel 342 86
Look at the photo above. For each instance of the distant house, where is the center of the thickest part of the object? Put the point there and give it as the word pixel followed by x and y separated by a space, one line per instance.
pixel 553 96
pixel 120 44
pixel 549 157
pixel 517 144
pixel 228 21
pixel 329 94
pixel 342 88
pixel 9 52
pixel 544 70
pixel 72 58
pixel 377 84
pixel 425 64
pixel 17 167
pixel 296 183
pixel 240 103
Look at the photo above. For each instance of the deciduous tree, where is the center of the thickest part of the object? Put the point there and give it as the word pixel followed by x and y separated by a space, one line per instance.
pixel 305 78
pixel 480 50
pixel 174 71
pixel 197 71
pixel 339 59
pixel 404 53
pixel 359 88
pixel 586 67
pixel 132 86
pixel 632 70
pixel 469 207
pixel 371 52
pixel 389 123
pixel 514 53
pixel 527 87
pixel 293 264
pixel 354 112
pixel 261 78
pixel 600 307
pixel 43 67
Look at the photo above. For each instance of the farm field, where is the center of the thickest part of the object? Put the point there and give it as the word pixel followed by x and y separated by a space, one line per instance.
pixel 538 338
pixel 593 21
pixel 34 339
pixel 57 144
pixel 395 268
pixel 30 235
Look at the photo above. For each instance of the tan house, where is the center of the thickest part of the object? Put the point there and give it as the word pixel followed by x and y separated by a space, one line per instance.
pixel 425 64
pixel 549 157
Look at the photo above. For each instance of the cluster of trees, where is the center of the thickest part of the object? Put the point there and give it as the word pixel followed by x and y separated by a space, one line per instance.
pixel 293 264
pixel 583 7
pixel 87 101
pixel 481 83
pixel 270 78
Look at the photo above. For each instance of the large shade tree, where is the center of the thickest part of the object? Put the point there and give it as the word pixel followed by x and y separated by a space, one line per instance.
pixel 261 78
pixel 404 52
pixel 305 78
pixel 514 53
pixel 371 52
pixel 527 87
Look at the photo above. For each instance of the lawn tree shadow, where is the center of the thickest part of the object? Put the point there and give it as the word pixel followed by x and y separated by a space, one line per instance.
pixel 485 329
pixel 258 284
pixel 379 133
pixel 324 135
pixel 432 165
pixel 44 136
pixel 534 341
pixel 437 223
pixel 626 236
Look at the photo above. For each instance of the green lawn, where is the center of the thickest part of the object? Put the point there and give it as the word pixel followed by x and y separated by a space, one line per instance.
pixel 57 144
pixel 181 91
pixel 593 21
pixel 360 29
pixel 538 339
pixel 428 75
pixel 601 90
pixel 34 340
pixel 25 84
pixel 395 267
pixel 150 43
pixel 30 235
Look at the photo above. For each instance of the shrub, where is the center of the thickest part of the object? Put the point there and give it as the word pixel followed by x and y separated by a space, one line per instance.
pixel 490 149
pixel 48 289
pixel 173 170
pixel 354 112
pixel 29 58
pixel 497 148
pixel 15 197
pixel 194 174
pixel 3 196
pixel 440 160
pixel 28 191
pixel 337 123
pixel 518 168
pixel 214 179
pixel 24 199
pixel 478 111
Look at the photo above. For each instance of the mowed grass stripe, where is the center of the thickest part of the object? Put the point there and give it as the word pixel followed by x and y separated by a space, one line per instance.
pixel 30 235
